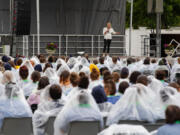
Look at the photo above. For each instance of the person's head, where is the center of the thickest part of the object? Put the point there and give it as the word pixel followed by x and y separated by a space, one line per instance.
pixel 123 86
pixel 147 61
pixel 175 85
pixel 83 98
pixel 74 79
pixel 38 68
pixel 42 59
pixel 55 92
pixel 64 77
pixel 99 94
pixel 114 59
pixel 81 74
pixel 43 82
pixel 7 66
pixel 47 65
pixel 19 62
pixel 51 59
pixel 94 75
pixel 160 74
pixel 116 77
pixel 108 25
pixel 107 76
pixel 110 88
pixel 133 77
pixel 124 73
pixel 95 62
pixel 83 82
pixel 35 76
pixel 7 77
pixel 153 61
pixel 172 114
pixel 101 60
pixel 5 58
pixel 142 79
pixel 102 70
pixel 23 72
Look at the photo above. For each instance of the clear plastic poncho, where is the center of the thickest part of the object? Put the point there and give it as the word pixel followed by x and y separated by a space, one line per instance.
pixel 52 75
pixel 63 67
pixel 28 64
pixel 138 103
pixel 154 84
pixel 125 130
pixel 71 62
pixel 75 110
pixel 35 60
pixel 47 108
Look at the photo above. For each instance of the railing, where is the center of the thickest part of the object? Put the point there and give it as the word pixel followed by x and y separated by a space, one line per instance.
pixel 69 44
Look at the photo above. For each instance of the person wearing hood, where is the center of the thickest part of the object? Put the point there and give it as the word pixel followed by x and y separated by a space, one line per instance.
pixel 51 105
pixel 81 107
pixel 5 58
pixel 12 101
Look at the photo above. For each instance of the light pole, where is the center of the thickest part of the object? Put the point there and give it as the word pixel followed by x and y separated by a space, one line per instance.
pixel 38 24
pixel 130 28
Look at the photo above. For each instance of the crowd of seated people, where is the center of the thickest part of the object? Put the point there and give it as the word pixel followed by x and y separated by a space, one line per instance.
pixel 80 89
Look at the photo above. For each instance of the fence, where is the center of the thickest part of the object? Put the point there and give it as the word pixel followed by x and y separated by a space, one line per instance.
pixel 69 44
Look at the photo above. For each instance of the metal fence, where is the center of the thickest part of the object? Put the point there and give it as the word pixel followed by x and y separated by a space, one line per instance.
pixel 69 44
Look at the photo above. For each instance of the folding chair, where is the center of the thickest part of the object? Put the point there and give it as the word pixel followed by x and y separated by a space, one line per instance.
pixel 49 127
pixel 84 128
pixel 17 126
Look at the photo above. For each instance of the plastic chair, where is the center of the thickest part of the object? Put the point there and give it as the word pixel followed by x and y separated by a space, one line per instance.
pixel 84 128
pixel 49 127
pixel 17 126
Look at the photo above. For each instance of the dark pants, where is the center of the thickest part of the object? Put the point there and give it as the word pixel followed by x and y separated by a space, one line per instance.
pixel 107 43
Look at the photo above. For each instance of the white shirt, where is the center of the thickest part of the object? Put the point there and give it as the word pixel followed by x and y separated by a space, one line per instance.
pixel 108 35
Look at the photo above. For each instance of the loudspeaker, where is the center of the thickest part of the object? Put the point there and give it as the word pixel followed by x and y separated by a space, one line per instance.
pixel 21 17
pixel 155 6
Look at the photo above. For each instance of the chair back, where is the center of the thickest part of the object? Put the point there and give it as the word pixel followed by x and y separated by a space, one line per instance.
pixel 49 127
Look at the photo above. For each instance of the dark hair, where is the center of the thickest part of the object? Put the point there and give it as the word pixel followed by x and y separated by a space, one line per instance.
pixel 82 74
pixel 23 72
pixel 123 86
pixel 107 76
pixel 153 61
pixel 55 91
pixel 83 82
pixel 64 77
pixel 160 74
pixel 103 69
pixel 47 65
pixel 35 76
pixel 133 77
pixel 94 74
pixel 51 59
pixel 116 76
pixel 74 79
pixel 124 73
pixel 114 59
pixel 43 82
pixel 172 114
pixel 143 80
pixel 147 61
pixel 101 60
pixel 110 85
pixel 19 62
pixel 95 62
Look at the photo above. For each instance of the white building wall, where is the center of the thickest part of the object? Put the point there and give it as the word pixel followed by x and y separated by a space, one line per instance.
pixel 136 38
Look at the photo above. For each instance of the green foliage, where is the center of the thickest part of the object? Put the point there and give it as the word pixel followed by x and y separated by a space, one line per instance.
pixel 170 17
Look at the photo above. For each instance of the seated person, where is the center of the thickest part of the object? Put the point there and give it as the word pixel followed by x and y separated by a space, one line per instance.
pixel 34 98
pixel 101 99
pixel 110 90
pixel 124 75
pixel 80 108
pixel 116 78
pixel 172 126
pixel 122 88
pixel 12 101
pixel 133 77
pixel 50 106
pixel 161 75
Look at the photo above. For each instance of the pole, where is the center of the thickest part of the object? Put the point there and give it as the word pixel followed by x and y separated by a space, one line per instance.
pixel 130 29
pixel 11 27
pixel 38 25
pixel 158 35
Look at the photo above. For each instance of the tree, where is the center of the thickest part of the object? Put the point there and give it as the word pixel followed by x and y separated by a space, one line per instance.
pixel 170 17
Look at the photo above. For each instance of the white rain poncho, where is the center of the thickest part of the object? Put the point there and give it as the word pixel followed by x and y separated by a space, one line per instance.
pixel 71 62
pixel 29 88
pixel 138 103
pixel 13 103
pixel 146 70
pixel 52 75
pixel 62 68
pixel 35 60
pixel 28 64
pixel 84 62
pixel 81 107
pixel 174 73
pixel 94 84
pixel 154 84
pixel 125 130
pixel 47 108
pixel 169 96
